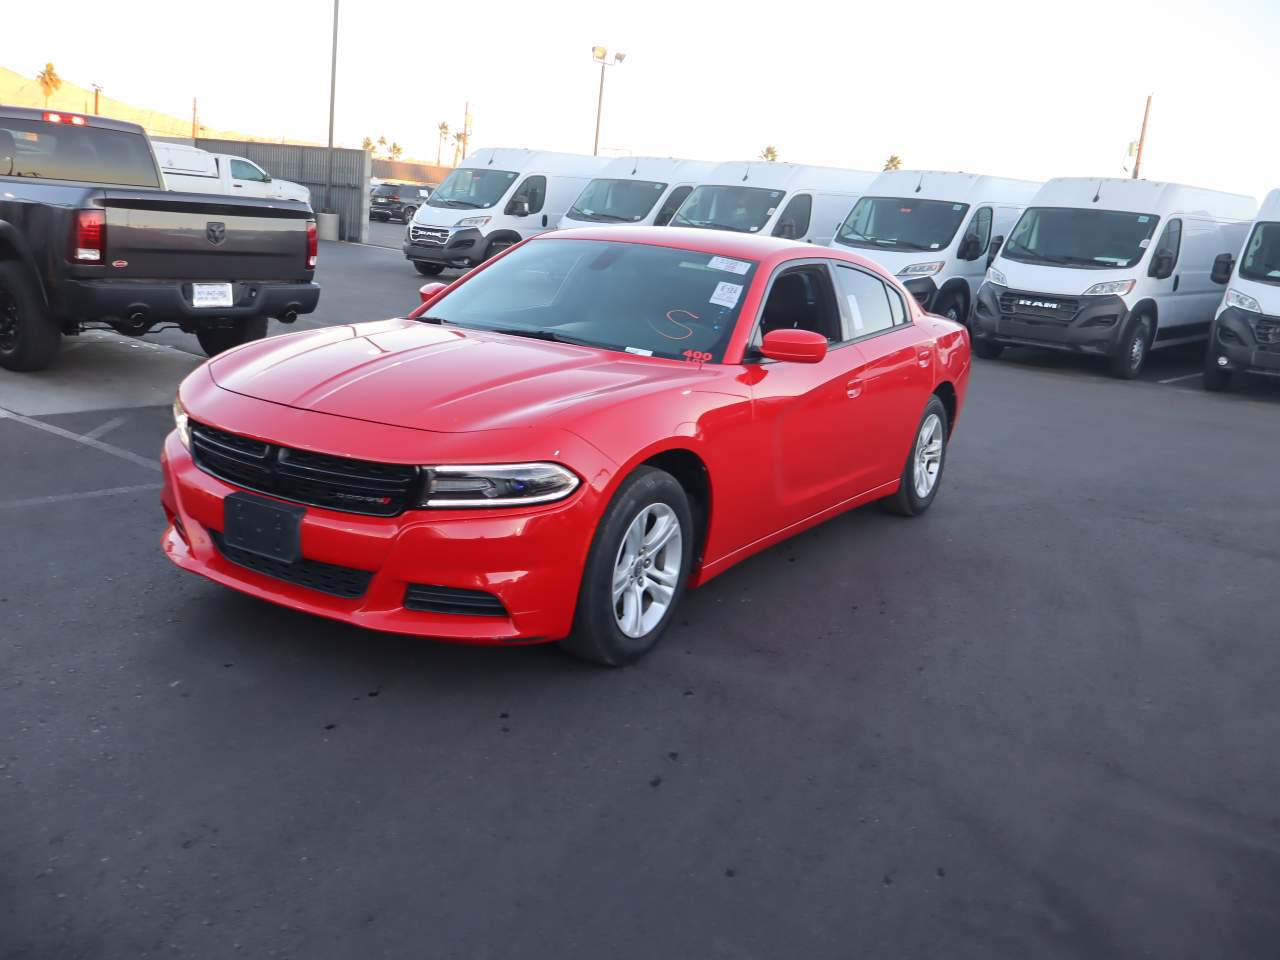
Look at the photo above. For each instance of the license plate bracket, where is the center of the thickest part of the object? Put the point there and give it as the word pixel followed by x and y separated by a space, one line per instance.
pixel 211 295
pixel 263 527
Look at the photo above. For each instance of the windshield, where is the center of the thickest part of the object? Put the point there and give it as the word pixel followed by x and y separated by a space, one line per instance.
pixel 472 189
pixel 47 151
pixel 744 209
pixel 617 201
pixel 1261 259
pixel 645 300
pixel 1073 237
pixel 896 223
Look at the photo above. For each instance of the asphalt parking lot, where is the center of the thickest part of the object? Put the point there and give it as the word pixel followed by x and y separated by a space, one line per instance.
pixel 1040 721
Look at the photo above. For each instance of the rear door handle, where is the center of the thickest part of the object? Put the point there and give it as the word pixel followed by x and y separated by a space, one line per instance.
pixel 853 388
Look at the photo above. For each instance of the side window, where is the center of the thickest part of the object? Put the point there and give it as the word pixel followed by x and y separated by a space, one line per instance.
pixel 980 228
pixel 671 205
pixel 1170 240
pixel 802 299
pixel 794 222
pixel 866 302
pixel 534 190
pixel 243 170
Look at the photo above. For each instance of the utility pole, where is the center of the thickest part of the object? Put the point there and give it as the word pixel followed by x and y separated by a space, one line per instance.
pixel 97 89
pixel 1142 138
pixel 466 128
pixel 195 129
pixel 333 86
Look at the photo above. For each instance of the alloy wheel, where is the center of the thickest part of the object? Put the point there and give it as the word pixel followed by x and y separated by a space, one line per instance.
pixel 647 569
pixel 928 456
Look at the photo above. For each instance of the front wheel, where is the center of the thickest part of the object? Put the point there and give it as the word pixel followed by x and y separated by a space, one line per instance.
pixel 1131 353
pixel 29 340
pixel 214 340
pixel 407 214
pixel 923 473
pixel 953 307
pixel 987 349
pixel 635 572
pixel 428 269
pixel 496 247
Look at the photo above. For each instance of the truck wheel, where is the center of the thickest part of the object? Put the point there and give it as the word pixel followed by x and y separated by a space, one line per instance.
pixel 28 338
pixel 1131 353
pixel 428 269
pixel 214 340
pixel 987 349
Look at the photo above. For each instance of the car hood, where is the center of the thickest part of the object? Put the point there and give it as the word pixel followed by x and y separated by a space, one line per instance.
pixel 428 377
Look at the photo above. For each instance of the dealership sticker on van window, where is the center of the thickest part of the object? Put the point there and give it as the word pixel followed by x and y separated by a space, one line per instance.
pixel 732 266
pixel 1144 242
pixel 639 351
pixel 727 294
pixel 1143 219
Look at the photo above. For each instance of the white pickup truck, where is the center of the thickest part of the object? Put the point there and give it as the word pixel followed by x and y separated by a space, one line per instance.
pixel 198 171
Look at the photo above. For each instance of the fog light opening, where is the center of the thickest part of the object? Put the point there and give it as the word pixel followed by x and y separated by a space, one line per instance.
pixel 1223 361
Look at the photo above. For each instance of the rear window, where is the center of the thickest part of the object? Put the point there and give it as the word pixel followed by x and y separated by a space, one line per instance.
pixel 386 190
pixel 47 151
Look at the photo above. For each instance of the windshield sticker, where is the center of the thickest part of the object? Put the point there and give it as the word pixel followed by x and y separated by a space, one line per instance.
pixel 934 246
pixel 1143 219
pixel 1144 242
pixel 957 206
pixel 769 212
pixel 639 351
pixel 732 266
pixel 726 294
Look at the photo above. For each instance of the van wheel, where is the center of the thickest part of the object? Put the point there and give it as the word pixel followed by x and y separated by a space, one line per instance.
pixel 428 269
pixel 1131 353
pixel 987 349
pixel 406 214
pixel 1215 378
pixel 635 572
pixel 496 247
pixel 953 307
pixel 215 340
pixel 28 338
pixel 923 473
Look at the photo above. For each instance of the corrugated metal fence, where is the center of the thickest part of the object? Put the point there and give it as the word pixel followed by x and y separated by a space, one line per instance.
pixel 307 166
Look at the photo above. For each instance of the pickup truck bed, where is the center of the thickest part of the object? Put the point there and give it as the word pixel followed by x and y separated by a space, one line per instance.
pixel 87 238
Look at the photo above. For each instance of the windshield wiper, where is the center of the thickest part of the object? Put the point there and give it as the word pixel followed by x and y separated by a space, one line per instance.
pixel 465 204
pixel 712 225
pixel 536 334
pixel 602 217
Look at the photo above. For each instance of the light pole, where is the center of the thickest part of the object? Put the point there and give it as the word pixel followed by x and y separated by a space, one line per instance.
pixel 333 86
pixel 601 56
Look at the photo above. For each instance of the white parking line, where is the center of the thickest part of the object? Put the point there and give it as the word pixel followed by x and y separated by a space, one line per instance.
pixel 104 428
pixel 115 451
pixel 1185 376
pixel 87 495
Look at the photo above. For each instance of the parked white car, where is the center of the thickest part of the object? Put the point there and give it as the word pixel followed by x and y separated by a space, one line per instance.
pixel 789 200
pixel 935 231
pixel 194 170
pixel 495 199
pixel 1110 267
pixel 643 191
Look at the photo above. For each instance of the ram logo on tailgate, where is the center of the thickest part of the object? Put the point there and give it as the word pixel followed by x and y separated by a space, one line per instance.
pixel 215 233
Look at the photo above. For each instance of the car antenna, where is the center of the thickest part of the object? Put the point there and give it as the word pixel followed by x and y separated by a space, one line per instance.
pixel 920 184
pixel 1097 194
pixel 635 166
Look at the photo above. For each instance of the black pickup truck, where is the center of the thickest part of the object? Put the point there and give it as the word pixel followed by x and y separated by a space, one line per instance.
pixel 89 238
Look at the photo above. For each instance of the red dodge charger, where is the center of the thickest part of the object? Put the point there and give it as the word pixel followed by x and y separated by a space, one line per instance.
pixel 555 446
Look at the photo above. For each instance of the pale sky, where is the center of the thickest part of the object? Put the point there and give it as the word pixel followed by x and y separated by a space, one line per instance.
pixel 1007 87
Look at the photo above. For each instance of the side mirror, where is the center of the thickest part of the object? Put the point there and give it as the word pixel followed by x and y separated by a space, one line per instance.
pixel 1223 264
pixel 787 230
pixel 429 291
pixel 1161 266
pixel 994 250
pixel 268 180
pixel 970 248
pixel 518 208
pixel 795 346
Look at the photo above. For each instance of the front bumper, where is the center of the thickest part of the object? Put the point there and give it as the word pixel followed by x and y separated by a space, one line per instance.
pixel 169 301
pixel 1250 342
pixel 462 248
pixel 923 289
pixel 1020 317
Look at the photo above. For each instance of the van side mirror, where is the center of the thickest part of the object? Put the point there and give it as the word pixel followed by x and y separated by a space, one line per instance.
pixel 518 208
pixel 1223 264
pixel 795 346
pixel 970 248
pixel 787 230
pixel 994 250
pixel 1161 266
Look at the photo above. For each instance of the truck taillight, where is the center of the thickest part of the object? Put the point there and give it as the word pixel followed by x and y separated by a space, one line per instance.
pixel 313 246
pixel 89 236
pixel 70 118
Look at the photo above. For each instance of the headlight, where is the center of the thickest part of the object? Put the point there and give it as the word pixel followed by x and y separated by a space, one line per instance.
pixel 996 277
pixel 921 269
pixel 499 485
pixel 473 221
pixel 1113 287
pixel 1242 301
pixel 180 423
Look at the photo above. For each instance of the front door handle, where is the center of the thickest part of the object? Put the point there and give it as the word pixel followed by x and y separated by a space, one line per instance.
pixel 853 388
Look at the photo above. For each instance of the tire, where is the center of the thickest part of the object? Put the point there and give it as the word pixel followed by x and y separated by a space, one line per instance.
pixel 1215 379
pixel 407 214
pixel 987 349
pixel 29 340
pixel 928 449
pixel 428 269
pixel 954 308
pixel 1130 355
pixel 215 340
pixel 495 247
pixel 646 500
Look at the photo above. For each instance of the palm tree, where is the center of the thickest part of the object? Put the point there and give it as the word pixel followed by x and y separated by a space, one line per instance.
pixel 49 81
pixel 893 163
pixel 367 144
pixel 458 140
pixel 382 142
pixel 443 129
pixel 769 153
pixel 396 151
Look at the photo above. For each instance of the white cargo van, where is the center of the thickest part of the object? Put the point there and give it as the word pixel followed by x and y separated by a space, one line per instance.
pixel 1245 337
pixel 776 199
pixel 194 170
pixel 1109 267
pixel 935 230
pixel 645 191
pixel 496 198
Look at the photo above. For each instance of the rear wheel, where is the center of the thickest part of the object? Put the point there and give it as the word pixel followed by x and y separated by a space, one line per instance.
pixel 952 305
pixel 214 340
pixel 495 247
pixel 29 340
pixel 635 572
pixel 987 349
pixel 923 472
pixel 428 269
pixel 1131 353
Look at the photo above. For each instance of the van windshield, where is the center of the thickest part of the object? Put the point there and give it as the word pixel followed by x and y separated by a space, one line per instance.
pixel 469 189
pixel 898 223
pixel 1261 259
pixel 1073 237
pixel 617 201
pixel 744 209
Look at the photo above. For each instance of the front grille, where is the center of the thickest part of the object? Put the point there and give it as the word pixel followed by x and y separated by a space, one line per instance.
pixel 474 603
pixel 1267 332
pixel 437 236
pixel 321 480
pixel 1015 302
pixel 329 578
